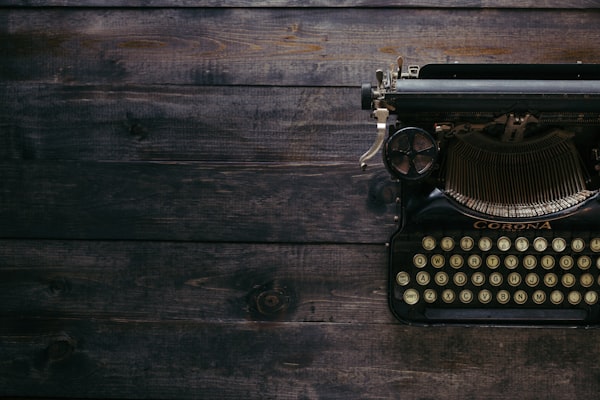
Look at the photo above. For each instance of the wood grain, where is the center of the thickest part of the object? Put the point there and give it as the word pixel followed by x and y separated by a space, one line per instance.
pixel 209 282
pixel 195 201
pixel 161 123
pixel 182 214
pixel 125 358
pixel 307 3
pixel 276 47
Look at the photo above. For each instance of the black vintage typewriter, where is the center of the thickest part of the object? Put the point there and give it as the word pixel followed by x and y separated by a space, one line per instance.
pixel 499 213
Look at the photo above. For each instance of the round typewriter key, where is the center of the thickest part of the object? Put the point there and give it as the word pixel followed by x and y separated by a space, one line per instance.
pixel 547 262
pixel 448 296
pixel 514 279
pixel 496 279
pixel 598 262
pixel 520 297
pixel 423 278
pixel 532 279
pixel 566 262
pixel 503 297
pixel 447 243
pixel 550 279
pixel 419 260
pixel 568 280
pixel 574 297
pixel 538 297
pixel 467 243
pixel 460 278
pixel 438 260
pixel 441 278
pixel 474 261
pixel 485 296
pixel 559 245
pixel 529 261
pixel 511 262
pixel 485 243
pixel 591 297
pixel 428 243
pixel 577 244
pixel 584 262
pixel 503 243
pixel 540 244
pixel 478 279
pixel 465 296
pixel 556 297
pixel 492 261
pixel 586 280
pixel 411 297
pixel 403 278
pixel 430 295
pixel 456 261
pixel 595 245
pixel 521 244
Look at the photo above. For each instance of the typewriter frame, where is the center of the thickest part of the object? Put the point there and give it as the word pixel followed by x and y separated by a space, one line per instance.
pixel 423 98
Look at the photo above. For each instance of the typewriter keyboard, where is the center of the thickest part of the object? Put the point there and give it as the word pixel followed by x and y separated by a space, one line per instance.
pixel 503 277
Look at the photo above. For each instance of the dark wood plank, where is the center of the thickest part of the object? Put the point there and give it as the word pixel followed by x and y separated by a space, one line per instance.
pixel 252 114
pixel 195 201
pixel 155 281
pixel 137 359
pixel 282 47
pixel 233 124
pixel 307 3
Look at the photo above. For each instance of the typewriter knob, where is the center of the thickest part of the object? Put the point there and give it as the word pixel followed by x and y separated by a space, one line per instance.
pixel 366 96
pixel 410 153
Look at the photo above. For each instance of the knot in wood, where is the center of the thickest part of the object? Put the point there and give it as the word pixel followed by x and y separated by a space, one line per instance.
pixel 269 301
pixel 60 348
pixel 60 285
pixel 272 301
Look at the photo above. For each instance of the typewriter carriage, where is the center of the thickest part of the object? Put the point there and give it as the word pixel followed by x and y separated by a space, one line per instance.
pixel 497 143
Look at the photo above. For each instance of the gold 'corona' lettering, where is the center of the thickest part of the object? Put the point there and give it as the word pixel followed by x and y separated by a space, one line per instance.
pixel 481 224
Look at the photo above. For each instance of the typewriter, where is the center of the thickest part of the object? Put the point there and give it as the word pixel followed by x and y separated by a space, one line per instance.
pixel 498 173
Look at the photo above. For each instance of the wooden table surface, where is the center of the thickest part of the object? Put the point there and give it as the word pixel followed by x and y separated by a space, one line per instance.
pixel 182 214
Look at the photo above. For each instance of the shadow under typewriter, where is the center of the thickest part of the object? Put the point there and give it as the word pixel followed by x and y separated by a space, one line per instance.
pixel 499 206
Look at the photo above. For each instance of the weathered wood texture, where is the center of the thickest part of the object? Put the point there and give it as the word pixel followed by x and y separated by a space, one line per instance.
pixel 277 47
pixel 188 201
pixel 308 3
pixel 97 358
pixel 210 282
pixel 182 214
pixel 204 123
